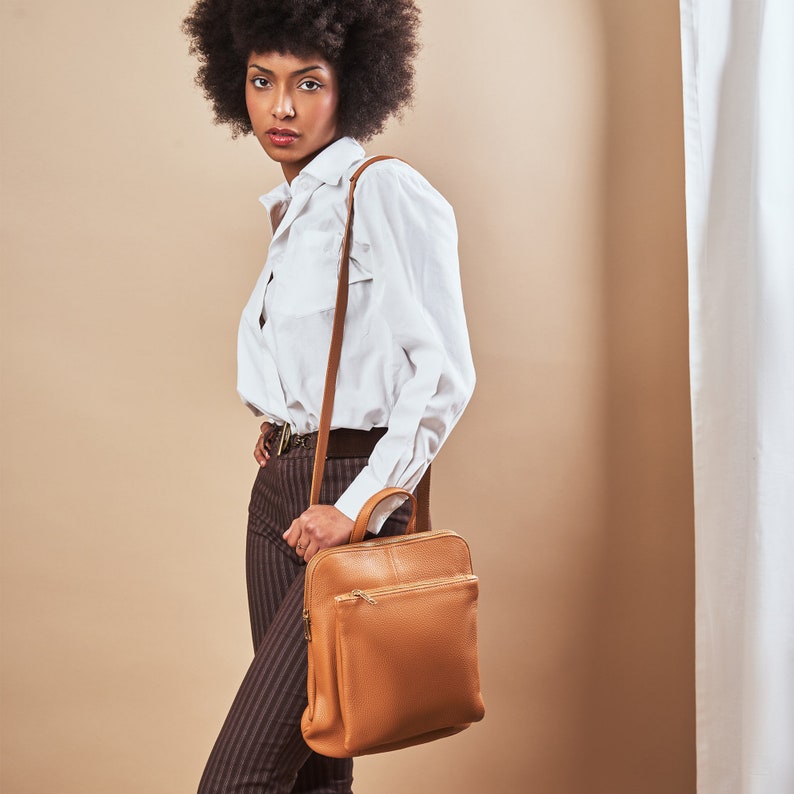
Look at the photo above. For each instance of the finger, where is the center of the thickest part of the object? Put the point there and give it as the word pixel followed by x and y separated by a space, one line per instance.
pixel 311 551
pixel 303 545
pixel 261 453
pixel 290 536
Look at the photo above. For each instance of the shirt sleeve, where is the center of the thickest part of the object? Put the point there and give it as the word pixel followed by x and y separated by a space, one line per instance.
pixel 412 237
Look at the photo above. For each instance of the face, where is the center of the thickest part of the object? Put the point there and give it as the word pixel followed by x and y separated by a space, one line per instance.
pixel 292 103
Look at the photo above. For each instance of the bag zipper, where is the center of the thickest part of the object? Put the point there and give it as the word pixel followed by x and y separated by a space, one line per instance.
pixel 369 596
pixel 361 594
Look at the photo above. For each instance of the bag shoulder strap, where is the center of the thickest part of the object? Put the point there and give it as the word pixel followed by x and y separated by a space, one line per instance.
pixel 334 355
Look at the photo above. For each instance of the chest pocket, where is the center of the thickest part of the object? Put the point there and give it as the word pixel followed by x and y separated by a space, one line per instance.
pixel 306 282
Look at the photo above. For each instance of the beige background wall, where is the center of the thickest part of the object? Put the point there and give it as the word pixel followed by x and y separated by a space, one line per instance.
pixel 132 236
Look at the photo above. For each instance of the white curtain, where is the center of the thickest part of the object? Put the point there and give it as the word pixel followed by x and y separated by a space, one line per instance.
pixel 738 78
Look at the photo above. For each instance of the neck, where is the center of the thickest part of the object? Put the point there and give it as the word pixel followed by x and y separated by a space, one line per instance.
pixel 291 170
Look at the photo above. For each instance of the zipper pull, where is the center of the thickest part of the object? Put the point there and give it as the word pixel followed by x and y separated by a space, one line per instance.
pixel 361 594
pixel 307 626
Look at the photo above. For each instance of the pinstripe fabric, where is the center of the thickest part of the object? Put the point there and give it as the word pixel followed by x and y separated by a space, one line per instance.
pixel 260 747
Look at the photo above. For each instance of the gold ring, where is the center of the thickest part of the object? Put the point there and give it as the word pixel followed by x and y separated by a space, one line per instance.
pixel 300 548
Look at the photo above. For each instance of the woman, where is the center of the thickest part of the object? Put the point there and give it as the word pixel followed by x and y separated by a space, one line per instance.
pixel 310 79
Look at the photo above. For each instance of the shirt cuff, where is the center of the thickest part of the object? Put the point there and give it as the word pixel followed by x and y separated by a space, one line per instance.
pixel 356 495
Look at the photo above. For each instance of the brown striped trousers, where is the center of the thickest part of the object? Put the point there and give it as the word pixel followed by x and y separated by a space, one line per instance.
pixel 260 747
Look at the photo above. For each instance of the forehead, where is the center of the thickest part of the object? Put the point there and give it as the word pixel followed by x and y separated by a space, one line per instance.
pixel 285 62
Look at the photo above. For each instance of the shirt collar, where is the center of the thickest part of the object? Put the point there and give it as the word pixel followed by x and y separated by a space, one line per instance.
pixel 328 167
pixel 333 162
pixel 276 203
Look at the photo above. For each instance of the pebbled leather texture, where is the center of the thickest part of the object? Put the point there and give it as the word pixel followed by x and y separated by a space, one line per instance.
pixel 393 649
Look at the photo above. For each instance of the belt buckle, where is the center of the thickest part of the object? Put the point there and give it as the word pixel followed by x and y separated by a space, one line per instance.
pixel 300 441
pixel 284 440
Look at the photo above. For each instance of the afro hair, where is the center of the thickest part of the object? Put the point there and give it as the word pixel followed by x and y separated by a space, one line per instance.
pixel 370 43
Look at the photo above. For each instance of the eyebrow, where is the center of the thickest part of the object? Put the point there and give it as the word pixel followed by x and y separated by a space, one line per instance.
pixel 293 74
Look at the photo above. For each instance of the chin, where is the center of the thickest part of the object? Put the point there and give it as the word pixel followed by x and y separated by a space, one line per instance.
pixel 281 154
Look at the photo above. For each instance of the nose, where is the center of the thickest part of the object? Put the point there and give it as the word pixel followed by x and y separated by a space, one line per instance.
pixel 282 105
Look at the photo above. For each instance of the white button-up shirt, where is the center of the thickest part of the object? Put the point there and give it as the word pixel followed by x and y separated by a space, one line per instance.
pixel 406 363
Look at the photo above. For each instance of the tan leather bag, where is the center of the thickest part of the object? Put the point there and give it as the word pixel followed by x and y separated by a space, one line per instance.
pixel 390 623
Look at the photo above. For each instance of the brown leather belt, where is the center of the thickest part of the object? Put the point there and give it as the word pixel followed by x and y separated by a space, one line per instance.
pixel 342 443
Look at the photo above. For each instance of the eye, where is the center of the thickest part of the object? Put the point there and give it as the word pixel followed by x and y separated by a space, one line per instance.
pixel 259 82
pixel 311 85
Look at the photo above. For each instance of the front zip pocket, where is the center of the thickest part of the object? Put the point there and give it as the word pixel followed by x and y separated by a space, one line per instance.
pixel 407 659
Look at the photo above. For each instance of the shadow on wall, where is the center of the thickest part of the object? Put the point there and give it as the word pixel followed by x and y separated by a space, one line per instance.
pixel 639 726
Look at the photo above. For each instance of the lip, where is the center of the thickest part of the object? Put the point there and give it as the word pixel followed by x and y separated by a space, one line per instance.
pixel 282 137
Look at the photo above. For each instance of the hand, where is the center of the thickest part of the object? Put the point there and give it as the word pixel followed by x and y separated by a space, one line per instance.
pixel 319 527
pixel 262 448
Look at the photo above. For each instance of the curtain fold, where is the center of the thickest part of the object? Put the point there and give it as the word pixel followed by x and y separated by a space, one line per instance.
pixel 738 81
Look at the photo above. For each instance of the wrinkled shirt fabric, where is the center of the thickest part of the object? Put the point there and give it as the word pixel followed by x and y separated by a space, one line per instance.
pixel 406 362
